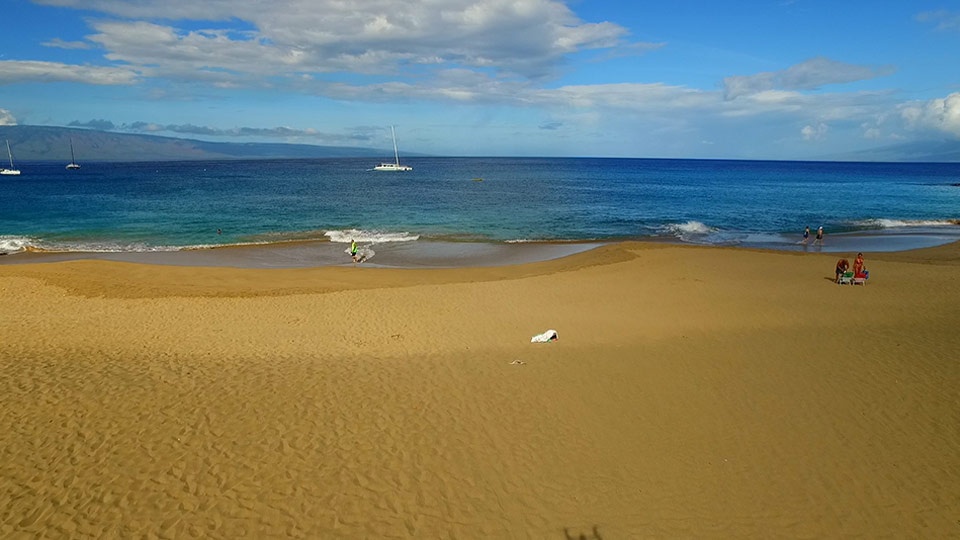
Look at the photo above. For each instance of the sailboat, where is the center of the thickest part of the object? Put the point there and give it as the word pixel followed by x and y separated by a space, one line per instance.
pixel 73 160
pixel 395 166
pixel 11 171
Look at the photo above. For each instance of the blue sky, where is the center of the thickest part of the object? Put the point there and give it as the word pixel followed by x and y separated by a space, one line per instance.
pixel 779 79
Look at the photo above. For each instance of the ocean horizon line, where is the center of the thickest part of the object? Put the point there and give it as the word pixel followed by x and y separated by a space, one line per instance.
pixel 21 163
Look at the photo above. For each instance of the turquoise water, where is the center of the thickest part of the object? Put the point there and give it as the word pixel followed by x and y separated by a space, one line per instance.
pixel 134 207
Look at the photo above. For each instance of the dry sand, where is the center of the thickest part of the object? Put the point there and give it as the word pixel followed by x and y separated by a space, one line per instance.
pixel 694 392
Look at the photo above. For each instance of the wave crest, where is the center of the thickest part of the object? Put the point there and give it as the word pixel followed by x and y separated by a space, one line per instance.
pixel 690 228
pixel 882 223
pixel 14 244
pixel 372 237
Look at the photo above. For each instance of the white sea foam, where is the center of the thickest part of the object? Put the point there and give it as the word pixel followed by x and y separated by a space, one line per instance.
pixel 107 247
pixel 370 237
pixel 13 244
pixel 364 253
pixel 689 228
pixel 546 241
pixel 898 223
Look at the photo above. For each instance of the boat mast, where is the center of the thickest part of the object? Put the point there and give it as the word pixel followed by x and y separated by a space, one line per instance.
pixel 396 154
pixel 9 153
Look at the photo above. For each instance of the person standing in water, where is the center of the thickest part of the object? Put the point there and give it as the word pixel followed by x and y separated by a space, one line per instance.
pixel 819 240
pixel 353 250
pixel 806 235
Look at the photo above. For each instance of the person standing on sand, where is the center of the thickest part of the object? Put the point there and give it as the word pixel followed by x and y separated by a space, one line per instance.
pixel 819 240
pixel 858 265
pixel 806 235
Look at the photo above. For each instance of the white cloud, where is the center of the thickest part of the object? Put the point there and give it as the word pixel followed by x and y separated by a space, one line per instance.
pixel 526 38
pixel 7 118
pixel 58 43
pixel 814 133
pixel 204 56
pixel 808 75
pixel 637 97
pixel 14 71
pixel 282 132
pixel 940 115
pixel 944 20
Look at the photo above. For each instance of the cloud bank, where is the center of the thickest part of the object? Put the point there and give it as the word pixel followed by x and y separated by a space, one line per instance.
pixel 809 75
pixel 937 115
pixel 7 118
pixel 207 131
pixel 15 71
pixel 524 38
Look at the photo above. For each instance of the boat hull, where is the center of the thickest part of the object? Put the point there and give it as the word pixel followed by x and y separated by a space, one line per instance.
pixel 392 167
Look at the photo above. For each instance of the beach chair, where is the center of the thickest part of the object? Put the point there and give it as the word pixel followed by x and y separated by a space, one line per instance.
pixel 846 278
pixel 861 278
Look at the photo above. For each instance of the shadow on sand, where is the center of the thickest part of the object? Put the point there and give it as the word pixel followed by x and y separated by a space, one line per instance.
pixel 594 534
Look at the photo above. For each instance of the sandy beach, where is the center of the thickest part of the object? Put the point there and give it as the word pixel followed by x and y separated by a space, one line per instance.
pixel 693 392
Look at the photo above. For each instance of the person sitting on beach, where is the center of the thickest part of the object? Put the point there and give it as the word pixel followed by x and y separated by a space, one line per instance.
pixel 842 266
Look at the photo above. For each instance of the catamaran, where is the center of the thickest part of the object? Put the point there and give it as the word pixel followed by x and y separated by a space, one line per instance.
pixel 11 171
pixel 395 166
pixel 73 161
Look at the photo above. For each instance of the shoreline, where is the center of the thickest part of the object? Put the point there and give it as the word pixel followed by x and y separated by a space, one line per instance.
pixel 461 254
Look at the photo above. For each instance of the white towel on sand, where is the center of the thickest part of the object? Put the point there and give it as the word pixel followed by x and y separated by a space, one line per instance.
pixel 545 337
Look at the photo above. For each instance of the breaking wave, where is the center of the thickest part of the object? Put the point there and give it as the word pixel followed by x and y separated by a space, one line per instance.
pixel 13 244
pixel 689 229
pixel 370 237
pixel 899 223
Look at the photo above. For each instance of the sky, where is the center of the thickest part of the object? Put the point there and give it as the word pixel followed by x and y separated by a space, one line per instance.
pixel 745 79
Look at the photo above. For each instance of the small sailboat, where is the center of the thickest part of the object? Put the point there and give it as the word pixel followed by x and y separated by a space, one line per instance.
pixel 11 171
pixel 73 160
pixel 395 166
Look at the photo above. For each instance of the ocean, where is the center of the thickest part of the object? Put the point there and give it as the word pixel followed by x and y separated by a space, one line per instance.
pixel 130 208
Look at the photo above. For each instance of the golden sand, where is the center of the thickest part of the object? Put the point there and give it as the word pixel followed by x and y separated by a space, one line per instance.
pixel 694 392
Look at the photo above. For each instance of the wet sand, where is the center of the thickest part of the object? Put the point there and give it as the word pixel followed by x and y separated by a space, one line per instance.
pixel 312 254
pixel 694 392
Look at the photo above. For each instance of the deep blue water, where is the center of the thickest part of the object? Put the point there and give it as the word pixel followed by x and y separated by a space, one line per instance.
pixel 172 205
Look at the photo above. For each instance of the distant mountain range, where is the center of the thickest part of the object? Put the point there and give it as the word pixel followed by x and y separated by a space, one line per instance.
pixel 943 151
pixel 48 143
